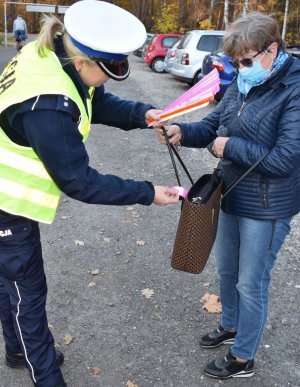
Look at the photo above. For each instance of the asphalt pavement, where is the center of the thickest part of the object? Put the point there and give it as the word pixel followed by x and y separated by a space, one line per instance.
pixel 102 262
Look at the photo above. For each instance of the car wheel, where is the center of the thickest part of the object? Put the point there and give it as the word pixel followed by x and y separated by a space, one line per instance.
pixel 158 65
pixel 196 77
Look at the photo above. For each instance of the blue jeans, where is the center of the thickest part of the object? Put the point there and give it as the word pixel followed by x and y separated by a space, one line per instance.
pixel 245 251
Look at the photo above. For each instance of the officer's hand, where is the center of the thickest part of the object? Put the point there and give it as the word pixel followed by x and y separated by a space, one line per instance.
pixel 165 195
pixel 174 133
pixel 152 115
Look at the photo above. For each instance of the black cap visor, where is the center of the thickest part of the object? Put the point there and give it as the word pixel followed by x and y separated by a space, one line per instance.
pixel 115 70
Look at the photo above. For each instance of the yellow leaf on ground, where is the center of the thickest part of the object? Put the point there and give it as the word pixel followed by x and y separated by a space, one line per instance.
pixel 68 339
pixel 66 217
pixel 211 303
pixel 94 371
pixel 96 272
pixel 131 384
pixel 148 293
pixel 127 221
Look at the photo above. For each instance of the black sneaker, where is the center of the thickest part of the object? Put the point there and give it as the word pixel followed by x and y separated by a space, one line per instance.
pixel 228 367
pixel 18 360
pixel 216 338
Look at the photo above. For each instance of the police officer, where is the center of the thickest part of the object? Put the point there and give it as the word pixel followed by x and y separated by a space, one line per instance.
pixel 49 94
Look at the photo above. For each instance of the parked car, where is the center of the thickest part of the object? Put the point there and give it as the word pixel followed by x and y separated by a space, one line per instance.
pixel 218 60
pixel 191 52
pixel 169 58
pixel 294 50
pixel 140 50
pixel 146 45
pixel 157 51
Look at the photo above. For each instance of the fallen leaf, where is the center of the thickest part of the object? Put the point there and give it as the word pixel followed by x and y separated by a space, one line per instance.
pixel 94 371
pixel 135 214
pixel 129 209
pixel 211 303
pixel 68 339
pixel 107 240
pixel 96 272
pixel 66 217
pixel 140 243
pixel 148 293
pixel 127 221
pixel 91 284
pixel 131 384
pixel 79 243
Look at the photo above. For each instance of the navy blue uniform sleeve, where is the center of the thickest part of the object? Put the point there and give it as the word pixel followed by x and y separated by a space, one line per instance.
pixel 110 110
pixel 202 133
pixel 55 138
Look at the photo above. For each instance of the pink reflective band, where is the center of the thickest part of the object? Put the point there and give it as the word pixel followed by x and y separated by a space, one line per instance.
pixel 183 192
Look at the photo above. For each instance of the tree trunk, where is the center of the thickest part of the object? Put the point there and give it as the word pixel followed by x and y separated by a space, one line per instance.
pixel 285 19
pixel 246 7
pixel 226 13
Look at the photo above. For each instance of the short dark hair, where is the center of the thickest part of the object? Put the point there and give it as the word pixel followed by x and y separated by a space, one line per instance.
pixel 254 31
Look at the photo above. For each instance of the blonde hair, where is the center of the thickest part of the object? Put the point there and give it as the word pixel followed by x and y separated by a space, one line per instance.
pixel 51 28
pixel 255 31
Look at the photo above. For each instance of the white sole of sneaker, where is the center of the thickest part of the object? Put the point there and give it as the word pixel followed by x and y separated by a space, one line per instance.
pixel 241 374
pixel 226 342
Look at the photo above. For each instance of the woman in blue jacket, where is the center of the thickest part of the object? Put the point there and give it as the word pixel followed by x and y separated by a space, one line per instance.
pixel 260 113
pixel 50 93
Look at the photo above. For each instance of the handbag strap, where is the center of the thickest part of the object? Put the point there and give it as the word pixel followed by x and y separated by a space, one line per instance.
pixel 238 180
pixel 172 150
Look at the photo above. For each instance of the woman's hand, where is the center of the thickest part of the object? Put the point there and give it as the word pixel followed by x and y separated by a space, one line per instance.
pixel 152 114
pixel 219 145
pixel 165 195
pixel 174 133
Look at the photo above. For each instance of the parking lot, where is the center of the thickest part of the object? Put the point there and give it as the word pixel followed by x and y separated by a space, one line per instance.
pixel 100 260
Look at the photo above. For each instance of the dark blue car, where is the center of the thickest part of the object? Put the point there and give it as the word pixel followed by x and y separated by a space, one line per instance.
pixel 219 61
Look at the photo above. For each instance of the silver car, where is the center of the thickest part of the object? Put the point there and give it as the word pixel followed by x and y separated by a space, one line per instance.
pixel 170 57
pixel 191 51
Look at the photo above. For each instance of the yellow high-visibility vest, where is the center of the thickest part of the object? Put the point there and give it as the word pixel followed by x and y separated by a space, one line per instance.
pixel 26 189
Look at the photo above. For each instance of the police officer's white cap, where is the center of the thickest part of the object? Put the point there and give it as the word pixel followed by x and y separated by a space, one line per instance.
pixel 103 30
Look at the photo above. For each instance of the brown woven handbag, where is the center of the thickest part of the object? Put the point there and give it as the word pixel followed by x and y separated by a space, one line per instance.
pixel 197 227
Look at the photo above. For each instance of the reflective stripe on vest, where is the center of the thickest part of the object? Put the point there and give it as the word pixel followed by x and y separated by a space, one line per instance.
pixel 26 189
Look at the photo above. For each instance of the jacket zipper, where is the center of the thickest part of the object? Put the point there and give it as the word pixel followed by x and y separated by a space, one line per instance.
pixel 247 99
pixel 264 193
pixel 242 108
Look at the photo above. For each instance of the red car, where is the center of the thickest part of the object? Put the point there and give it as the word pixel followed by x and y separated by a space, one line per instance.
pixel 157 50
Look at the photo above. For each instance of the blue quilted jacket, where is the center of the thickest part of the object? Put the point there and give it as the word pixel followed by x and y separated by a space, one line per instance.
pixel 267 120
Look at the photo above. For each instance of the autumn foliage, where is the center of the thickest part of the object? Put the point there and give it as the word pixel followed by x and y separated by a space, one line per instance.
pixel 177 15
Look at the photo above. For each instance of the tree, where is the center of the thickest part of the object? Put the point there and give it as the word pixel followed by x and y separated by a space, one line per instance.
pixel 226 13
pixel 285 19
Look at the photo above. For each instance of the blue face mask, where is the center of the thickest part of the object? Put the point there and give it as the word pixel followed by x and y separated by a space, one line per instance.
pixel 255 74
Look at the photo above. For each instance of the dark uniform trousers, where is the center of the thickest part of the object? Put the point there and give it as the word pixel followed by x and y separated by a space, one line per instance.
pixel 23 292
